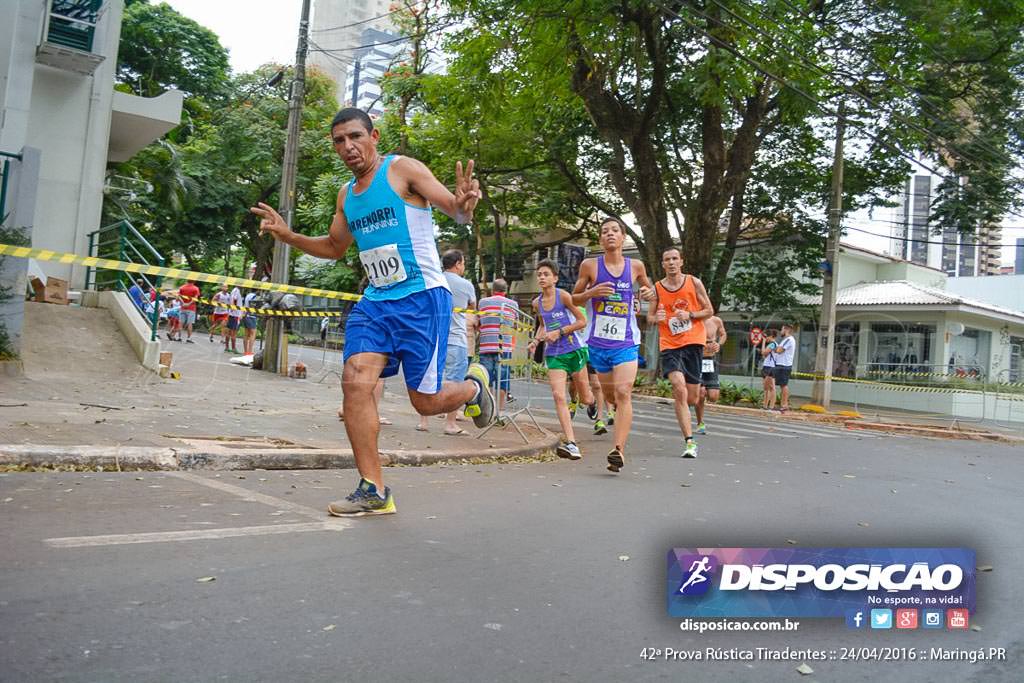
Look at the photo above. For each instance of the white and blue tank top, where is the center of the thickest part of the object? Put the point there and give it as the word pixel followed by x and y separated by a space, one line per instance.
pixel 395 239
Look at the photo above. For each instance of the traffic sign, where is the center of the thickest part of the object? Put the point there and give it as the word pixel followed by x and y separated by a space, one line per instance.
pixel 755 335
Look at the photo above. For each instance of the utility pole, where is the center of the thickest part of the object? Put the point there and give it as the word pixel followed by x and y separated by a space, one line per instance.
pixel 821 394
pixel 355 82
pixel 274 359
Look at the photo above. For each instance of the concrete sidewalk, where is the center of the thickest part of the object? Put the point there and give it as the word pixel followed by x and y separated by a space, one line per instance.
pixel 84 394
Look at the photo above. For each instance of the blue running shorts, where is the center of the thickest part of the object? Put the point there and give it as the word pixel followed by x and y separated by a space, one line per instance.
pixel 412 331
pixel 603 360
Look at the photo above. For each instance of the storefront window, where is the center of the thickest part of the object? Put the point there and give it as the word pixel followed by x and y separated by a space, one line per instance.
pixel 898 348
pixel 844 356
pixel 969 353
pixel 1016 359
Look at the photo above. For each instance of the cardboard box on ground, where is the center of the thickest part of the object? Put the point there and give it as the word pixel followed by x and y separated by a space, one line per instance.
pixel 53 291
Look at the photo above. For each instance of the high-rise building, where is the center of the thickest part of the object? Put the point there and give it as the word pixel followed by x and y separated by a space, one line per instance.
pixel 336 32
pixel 990 251
pixel 381 51
pixel 915 239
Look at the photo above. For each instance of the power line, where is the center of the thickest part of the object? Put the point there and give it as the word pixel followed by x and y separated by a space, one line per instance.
pixel 365 21
pixel 782 81
pixel 834 78
pixel 924 97
pixel 920 241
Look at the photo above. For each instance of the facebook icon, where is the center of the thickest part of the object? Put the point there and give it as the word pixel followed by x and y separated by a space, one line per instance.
pixel 855 618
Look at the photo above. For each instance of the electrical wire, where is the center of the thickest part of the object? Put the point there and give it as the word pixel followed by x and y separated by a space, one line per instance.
pixel 785 83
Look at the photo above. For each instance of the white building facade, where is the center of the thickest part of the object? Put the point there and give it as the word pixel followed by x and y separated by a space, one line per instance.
pixel 57 103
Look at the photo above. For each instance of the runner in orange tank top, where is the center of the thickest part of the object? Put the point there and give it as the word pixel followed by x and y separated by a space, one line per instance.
pixel 680 308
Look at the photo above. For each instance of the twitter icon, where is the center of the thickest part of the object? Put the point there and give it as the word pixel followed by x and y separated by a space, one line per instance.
pixel 881 618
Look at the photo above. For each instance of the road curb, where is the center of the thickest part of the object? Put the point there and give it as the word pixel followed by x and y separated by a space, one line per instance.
pixel 112 458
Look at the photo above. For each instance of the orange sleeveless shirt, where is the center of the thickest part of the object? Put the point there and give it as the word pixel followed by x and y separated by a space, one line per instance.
pixel 674 333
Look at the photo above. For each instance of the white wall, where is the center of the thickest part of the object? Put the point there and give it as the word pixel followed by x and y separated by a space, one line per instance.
pixel 1003 290
pixel 70 123
pixel 20 23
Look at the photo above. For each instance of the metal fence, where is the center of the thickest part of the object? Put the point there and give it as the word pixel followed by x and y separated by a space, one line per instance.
pixel 516 330
pixel 122 242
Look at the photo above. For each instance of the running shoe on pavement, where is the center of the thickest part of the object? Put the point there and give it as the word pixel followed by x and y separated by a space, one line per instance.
pixel 569 451
pixel 611 416
pixel 365 500
pixel 574 405
pixel 592 411
pixel 599 428
pixel 691 449
pixel 702 428
pixel 481 407
pixel 615 459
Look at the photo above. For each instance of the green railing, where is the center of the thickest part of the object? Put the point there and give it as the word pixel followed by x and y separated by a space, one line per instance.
pixel 122 242
pixel 73 23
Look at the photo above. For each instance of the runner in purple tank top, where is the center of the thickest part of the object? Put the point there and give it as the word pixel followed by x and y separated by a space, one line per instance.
pixel 564 355
pixel 613 335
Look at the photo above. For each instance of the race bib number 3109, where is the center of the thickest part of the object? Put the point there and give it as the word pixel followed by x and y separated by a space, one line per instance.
pixel 610 327
pixel 383 265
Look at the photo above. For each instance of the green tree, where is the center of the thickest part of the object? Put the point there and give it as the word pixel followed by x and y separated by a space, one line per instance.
pixel 161 48
pixel 684 100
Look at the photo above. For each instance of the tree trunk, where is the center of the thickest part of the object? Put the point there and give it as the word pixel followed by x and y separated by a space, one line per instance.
pixel 717 284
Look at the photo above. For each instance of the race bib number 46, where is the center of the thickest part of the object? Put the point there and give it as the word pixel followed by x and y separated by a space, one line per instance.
pixel 609 327
pixel 383 265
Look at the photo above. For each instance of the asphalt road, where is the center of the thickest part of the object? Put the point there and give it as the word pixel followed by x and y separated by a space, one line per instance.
pixel 510 572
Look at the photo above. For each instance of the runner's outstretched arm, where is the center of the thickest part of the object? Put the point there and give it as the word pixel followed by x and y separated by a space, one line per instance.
pixel 333 245
pixel 458 206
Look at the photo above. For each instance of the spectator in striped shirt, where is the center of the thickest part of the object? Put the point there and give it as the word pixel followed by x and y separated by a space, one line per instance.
pixel 496 345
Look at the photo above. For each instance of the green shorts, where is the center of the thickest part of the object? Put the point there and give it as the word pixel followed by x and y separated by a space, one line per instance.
pixel 571 362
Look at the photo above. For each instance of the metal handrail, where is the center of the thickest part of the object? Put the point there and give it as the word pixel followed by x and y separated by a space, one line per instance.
pixel 124 235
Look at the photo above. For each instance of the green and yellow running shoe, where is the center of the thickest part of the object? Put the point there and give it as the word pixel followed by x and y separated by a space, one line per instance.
pixel 573 407
pixel 691 449
pixel 481 406
pixel 599 428
pixel 702 428
pixel 611 416
pixel 365 500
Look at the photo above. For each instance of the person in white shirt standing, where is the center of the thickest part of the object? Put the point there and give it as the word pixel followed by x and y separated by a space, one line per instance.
pixel 234 320
pixel 784 352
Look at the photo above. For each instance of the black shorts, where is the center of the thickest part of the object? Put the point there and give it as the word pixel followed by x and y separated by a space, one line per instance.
pixel 768 371
pixel 686 359
pixel 782 374
pixel 709 378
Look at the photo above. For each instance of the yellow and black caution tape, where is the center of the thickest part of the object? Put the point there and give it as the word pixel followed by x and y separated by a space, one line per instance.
pixel 178 274
pixel 273 311
pixel 893 387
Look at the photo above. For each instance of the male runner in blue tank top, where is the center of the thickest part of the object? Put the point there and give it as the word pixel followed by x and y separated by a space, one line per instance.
pixel 404 315
pixel 605 285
